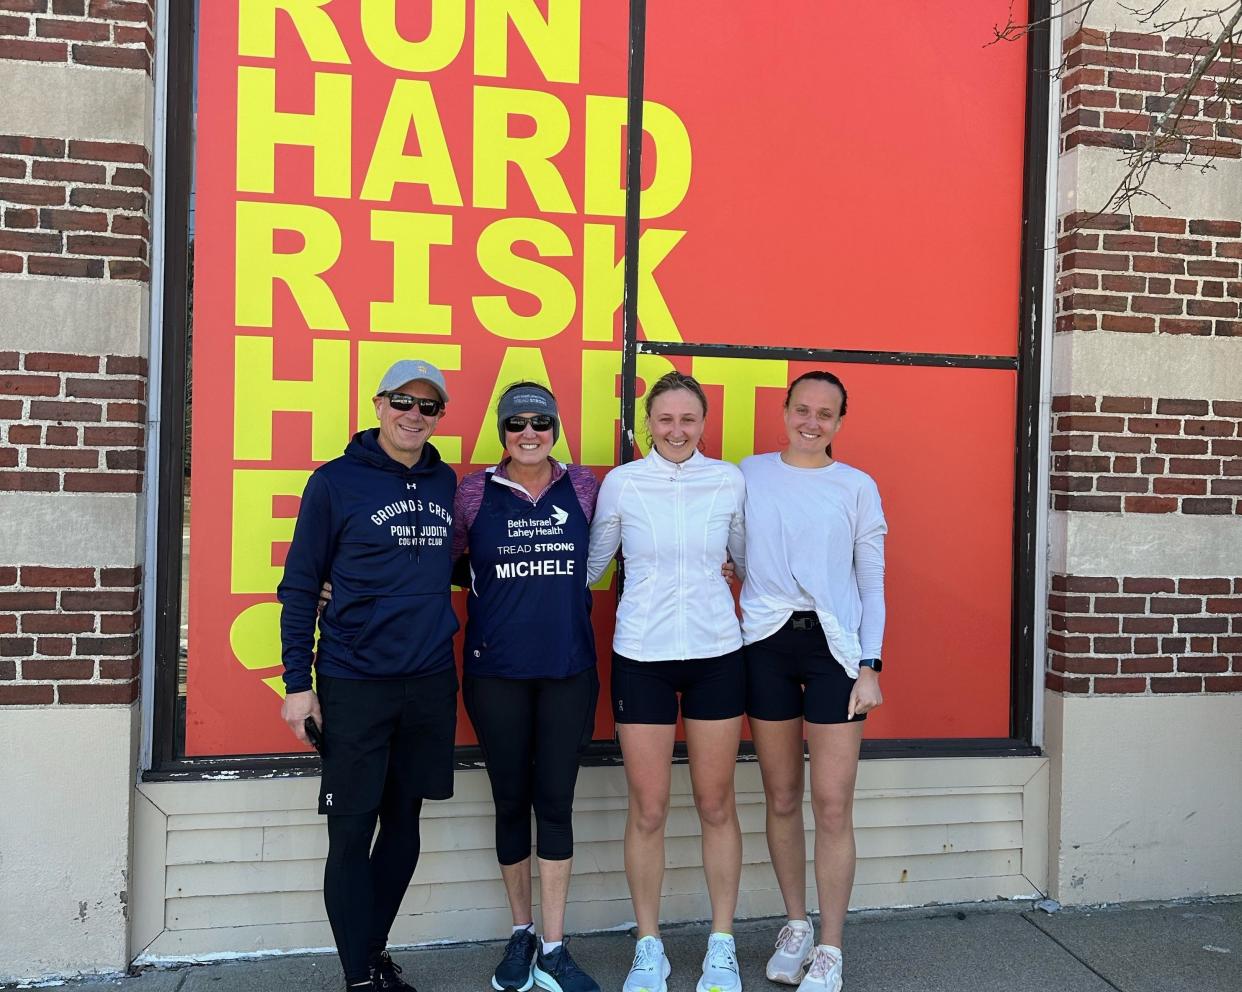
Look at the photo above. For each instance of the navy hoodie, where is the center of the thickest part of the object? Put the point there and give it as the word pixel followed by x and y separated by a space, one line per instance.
pixel 381 533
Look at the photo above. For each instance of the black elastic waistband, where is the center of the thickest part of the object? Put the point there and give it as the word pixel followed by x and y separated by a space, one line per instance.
pixel 803 620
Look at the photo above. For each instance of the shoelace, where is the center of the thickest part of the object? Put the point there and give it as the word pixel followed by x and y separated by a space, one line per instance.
pixel 567 966
pixel 720 955
pixel 789 938
pixel 516 948
pixel 646 955
pixel 821 964
pixel 386 971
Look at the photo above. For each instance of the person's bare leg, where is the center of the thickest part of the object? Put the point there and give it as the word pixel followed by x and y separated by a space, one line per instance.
pixel 553 894
pixel 778 743
pixel 712 749
pixel 834 772
pixel 517 888
pixel 648 752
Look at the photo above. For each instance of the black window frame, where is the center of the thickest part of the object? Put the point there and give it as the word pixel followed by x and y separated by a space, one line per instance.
pixel 168 724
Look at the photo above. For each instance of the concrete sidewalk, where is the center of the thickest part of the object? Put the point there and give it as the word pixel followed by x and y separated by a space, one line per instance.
pixel 1195 947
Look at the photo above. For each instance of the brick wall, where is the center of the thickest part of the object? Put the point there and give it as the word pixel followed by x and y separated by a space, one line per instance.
pixel 1117 84
pixel 115 34
pixel 72 423
pixel 1134 454
pixel 1146 275
pixel 1145 635
pixel 74 208
pixel 69 635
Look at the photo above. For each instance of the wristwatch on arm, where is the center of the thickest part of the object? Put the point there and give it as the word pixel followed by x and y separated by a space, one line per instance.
pixel 875 664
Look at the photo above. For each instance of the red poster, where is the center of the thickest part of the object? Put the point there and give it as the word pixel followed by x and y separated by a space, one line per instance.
pixel 445 181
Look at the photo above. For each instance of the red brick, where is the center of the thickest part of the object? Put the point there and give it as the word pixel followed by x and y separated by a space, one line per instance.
pixel 99 601
pixel 56 219
pixel 137 178
pixel 1093 504
pixel 1088 666
pixel 1140 425
pixel 8 667
pixel 1223 683
pixel 1120 604
pixel 1131 445
pixel 1181 446
pixel 127 668
pixel 29 241
pixel 1120 685
pixel 113 578
pixel 81 268
pixel 62 458
pixel 1097 425
pixel 1211 267
pixel 111 57
pixel 1227 487
pixel 27 600
pixel 1175 683
pixel 102 482
pixel 130 389
pixel 98 244
pixel 113 647
pixel 1156 304
pixel 1095 261
pixel 33 51
pixel 25 434
pixel 120 10
pixel 1210 428
pixel 1203 666
pixel 1087 625
pixel 128 460
pixel 127 224
pixel 106 198
pixel 1146 585
pixel 42 576
pixel 1148 625
pixel 1190 408
pixel 8 575
pixel 1141 666
pixel 64 436
pixel 60 410
pixel 1180 487
pixel 119 268
pixel 1203 625
pixel 16 647
pixel 1160 265
pixel 1058 683
pixel 46 670
pixel 1209 506
pixel 1175 325
pixel 58 623
pixel 10 263
pixel 97 693
pixel 128 412
pixel 1227 408
pixel 1125 404
pixel 118 623
pixel 59 647
pixel 10 409
pixel 29 482
pixel 1218 605
pixel 108 151
pixel 26 695
pixel 1170 604
pixel 73 8
pixel 126 365
pixel 1150 504
pixel 29 385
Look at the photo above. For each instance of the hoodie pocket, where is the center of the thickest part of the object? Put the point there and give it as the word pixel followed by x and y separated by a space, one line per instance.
pixel 386 640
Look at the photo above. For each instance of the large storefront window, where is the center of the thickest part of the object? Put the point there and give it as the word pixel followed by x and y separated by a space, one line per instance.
pixel 450 182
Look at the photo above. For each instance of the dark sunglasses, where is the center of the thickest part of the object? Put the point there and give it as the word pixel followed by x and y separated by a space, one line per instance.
pixel 403 402
pixel 540 422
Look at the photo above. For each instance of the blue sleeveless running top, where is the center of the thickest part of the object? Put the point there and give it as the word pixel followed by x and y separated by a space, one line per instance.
pixel 529 608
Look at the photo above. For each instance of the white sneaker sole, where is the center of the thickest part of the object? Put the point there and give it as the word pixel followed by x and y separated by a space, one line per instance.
pixel 786 979
pixel 530 982
pixel 544 980
pixel 663 987
pixel 703 986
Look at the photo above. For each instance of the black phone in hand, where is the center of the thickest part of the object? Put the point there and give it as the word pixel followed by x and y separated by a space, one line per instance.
pixel 314 733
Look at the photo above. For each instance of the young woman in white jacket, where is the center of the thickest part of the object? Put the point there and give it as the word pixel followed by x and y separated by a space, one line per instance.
pixel 675 515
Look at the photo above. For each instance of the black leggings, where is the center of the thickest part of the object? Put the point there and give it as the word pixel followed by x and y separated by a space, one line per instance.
pixel 363 885
pixel 532 733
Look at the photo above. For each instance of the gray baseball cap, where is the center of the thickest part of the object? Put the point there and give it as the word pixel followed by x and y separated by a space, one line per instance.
pixel 413 370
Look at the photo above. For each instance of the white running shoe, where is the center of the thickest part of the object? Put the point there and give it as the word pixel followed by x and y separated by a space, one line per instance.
pixel 720 972
pixel 795 946
pixel 824 975
pixel 650 970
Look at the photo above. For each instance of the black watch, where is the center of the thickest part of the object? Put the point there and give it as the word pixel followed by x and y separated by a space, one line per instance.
pixel 875 664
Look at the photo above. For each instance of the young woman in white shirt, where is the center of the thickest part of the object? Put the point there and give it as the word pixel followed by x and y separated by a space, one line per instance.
pixel 813 621
pixel 675 515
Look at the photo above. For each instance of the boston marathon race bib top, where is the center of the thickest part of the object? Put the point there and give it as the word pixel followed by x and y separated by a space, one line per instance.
pixel 529 605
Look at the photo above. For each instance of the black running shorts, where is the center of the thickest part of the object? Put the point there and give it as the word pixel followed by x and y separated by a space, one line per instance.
pixel 792 674
pixel 382 735
pixel 647 691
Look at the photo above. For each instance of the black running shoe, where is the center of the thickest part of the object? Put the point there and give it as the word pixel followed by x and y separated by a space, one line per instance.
pixel 386 976
pixel 513 974
pixel 558 972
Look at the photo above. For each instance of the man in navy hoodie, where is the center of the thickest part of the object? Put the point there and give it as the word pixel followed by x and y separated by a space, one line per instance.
pixel 376 523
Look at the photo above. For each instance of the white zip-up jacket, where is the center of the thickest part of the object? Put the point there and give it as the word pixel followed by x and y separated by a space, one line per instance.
pixel 674 523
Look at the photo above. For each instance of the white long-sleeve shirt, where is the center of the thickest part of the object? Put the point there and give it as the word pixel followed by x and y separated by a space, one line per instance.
pixel 814 541
pixel 674 523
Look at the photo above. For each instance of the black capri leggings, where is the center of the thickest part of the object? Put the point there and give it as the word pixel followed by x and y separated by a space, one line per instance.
pixel 532 733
